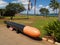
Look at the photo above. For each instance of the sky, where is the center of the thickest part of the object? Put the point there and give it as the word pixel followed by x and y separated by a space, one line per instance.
pixel 39 4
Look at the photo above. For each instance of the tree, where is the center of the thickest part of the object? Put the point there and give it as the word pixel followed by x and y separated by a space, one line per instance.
pixel 54 5
pixel 44 11
pixel 1 12
pixel 13 8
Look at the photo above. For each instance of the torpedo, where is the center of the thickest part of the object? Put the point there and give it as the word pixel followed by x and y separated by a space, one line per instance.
pixel 28 30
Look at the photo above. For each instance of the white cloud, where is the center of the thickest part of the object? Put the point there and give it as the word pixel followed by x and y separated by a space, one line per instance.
pixel 37 9
pixel 24 2
pixel 14 2
pixel 3 3
pixel 47 7
pixel 26 7
pixel 21 1
pixel 32 11
pixel 41 6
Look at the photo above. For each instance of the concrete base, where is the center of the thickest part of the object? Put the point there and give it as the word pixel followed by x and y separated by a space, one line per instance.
pixel 57 43
pixel 51 41
pixel 45 39
pixel 10 28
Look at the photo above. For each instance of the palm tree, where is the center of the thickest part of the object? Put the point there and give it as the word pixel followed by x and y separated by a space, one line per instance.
pixel 54 5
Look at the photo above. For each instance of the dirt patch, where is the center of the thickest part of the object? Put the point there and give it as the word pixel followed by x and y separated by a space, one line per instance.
pixel 8 37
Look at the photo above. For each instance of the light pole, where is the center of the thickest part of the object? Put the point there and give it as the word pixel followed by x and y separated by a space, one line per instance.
pixel 27 9
pixel 34 7
pixel 59 12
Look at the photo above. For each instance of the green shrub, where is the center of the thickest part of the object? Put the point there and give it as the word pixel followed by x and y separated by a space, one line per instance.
pixel 53 29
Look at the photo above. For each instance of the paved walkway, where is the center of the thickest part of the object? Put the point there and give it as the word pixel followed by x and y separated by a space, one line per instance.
pixel 8 37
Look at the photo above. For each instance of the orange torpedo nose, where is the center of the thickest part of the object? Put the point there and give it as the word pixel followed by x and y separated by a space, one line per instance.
pixel 31 31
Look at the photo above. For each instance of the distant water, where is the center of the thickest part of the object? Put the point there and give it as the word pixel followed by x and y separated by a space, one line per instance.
pixel 49 15
pixel 53 14
pixel 42 15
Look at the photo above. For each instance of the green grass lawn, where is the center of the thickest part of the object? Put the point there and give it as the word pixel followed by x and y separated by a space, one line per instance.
pixel 35 21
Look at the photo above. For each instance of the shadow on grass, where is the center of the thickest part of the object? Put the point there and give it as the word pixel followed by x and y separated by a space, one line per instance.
pixel 20 18
pixel 14 19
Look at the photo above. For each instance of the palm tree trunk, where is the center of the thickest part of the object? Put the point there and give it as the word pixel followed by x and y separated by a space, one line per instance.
pixel 59 13
pixel 34 7
pixel 27 14
pixel 0 13
pixel 56 11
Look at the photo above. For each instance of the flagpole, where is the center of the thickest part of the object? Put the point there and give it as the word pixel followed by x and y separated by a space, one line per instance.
pixel 28 8
pixel 34 7
pixel 59 12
